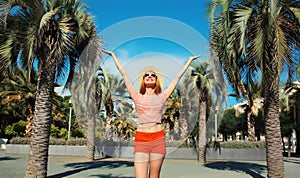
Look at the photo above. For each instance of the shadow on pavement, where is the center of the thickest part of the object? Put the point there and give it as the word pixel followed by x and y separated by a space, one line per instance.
pixel 252 169
pixel 291 160
pixel 109 176
pixel 83 166
pixel 6 158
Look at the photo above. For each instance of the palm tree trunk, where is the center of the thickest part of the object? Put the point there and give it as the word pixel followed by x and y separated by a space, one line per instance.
pixel 176 128
pixel 108 132
pixel 251 131
pixel 167 130
pixel 273 140
pixel 271 111
pixel 39 142
pixel 29 120
pixel 202 133
pixel 183 118
pixel 289 145
pixel 183 127
pixel 109 107
pixel 297 122
pixel 91 138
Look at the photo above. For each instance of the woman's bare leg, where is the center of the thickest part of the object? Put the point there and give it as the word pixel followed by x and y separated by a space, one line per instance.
pixel 156 161
pixel 141 161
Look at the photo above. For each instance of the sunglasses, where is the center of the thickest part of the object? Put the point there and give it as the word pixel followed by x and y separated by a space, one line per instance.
pixel 150 75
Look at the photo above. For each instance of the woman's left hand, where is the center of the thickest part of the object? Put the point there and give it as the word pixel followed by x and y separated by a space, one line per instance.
pixel 194 57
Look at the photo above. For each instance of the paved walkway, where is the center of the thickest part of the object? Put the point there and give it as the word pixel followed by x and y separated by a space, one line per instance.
pixel 14 166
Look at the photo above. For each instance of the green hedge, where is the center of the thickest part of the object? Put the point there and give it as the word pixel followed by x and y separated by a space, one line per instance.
pixel 53 141
pixel 237 144
pixel 181 144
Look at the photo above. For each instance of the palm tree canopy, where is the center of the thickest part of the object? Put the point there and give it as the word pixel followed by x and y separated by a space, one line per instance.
pixel 27 24
pixel 249 27
pixel 207 79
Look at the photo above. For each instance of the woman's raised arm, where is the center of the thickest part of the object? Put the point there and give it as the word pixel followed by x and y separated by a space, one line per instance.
pixel 125 77
pixel 175 81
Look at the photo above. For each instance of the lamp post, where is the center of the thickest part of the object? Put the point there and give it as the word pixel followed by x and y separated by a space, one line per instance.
pixel 216 123
pixel 70 119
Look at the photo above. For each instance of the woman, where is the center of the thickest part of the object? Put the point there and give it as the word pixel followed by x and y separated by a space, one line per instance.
pixel 149 144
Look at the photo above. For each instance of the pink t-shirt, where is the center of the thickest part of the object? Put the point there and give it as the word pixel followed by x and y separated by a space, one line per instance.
pixel 149 107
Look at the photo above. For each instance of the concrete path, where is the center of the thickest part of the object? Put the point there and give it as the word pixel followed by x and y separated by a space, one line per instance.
pixel 14 166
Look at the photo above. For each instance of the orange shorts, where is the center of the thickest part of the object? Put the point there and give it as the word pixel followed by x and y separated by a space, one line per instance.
pixel 150 142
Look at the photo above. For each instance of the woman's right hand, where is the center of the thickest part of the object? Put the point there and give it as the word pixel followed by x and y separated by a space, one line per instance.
pixel 108 52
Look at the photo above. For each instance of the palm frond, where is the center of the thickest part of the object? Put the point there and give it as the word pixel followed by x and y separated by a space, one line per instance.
pixel 241 20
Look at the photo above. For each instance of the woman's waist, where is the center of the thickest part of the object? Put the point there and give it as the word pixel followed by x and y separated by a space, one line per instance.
pixel 149 127
pixel 149 119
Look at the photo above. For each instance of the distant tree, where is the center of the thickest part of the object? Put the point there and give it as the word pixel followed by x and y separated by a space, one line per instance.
pixel 230 124
pixel 286 129
pixel 290 100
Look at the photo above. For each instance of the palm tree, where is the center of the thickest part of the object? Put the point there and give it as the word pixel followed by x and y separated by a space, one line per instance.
pixel 188 107
pixel 51 34
pixel 171 115
pixel 252 38
pixel 123 123
pixel 85 91
pixel 112 89
pixel 251 107
pixel 204 80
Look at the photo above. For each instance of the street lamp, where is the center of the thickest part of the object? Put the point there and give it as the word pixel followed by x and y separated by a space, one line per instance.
pixel 216 123
pixel 70 118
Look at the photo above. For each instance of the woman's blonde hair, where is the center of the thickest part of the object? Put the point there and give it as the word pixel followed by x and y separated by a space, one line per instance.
pixel 157 89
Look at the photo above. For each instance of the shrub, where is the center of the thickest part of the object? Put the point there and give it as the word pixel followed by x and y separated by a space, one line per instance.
pixel 57 141
pixel 72 141
pixel 53 141
pixel 63 133
pixel 77 133
pixel 9 131
pixel 237 144
pixel 76 141
pixel 16 129
pixel 19 140
pixel 54 131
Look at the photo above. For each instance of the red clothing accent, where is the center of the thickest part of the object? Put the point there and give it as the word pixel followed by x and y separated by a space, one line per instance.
pixel 150 142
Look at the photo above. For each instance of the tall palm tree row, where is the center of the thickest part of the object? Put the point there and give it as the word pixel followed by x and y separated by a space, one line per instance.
pixel 253 38
pixel 51 34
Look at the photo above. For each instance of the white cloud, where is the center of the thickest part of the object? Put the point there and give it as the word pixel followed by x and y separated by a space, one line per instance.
pixel 61 91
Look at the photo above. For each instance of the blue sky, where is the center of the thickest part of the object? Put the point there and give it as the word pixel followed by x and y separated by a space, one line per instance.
pixel 110 12
pixel 136 30
pixel 160 32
